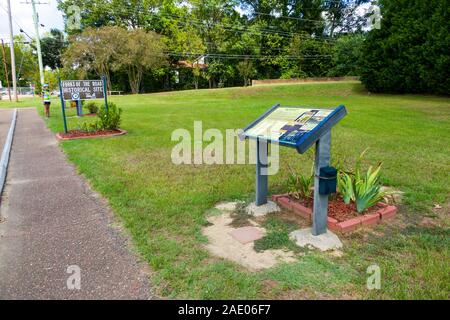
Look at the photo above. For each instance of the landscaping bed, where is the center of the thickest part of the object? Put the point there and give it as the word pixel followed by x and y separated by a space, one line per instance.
pixel 341 217
pixel 79 134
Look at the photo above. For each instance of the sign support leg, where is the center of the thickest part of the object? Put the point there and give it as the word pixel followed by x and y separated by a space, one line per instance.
pixel 262 149
pixel 320 211
pixel 63 106
pixel 79 108
pixel 105 92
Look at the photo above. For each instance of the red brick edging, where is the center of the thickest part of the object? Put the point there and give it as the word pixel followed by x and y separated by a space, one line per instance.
pixel 387 212
pixel 121 133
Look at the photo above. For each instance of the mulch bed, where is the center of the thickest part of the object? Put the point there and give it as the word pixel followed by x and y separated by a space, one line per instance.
pixel 341 217
pixel 338 210
pixel 79 134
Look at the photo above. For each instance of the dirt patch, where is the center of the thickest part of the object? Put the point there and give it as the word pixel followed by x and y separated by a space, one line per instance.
pixel 222 244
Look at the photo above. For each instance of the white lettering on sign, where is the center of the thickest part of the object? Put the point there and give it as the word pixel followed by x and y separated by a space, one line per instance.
pixel 82 89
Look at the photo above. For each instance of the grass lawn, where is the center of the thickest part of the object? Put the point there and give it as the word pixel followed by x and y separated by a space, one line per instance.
pixel 163 205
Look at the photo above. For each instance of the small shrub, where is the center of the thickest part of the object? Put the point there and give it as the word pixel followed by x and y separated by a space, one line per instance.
pixel 363 189
pixel 89 127
pixel 109 120
pixel 92 107
pixel 300 185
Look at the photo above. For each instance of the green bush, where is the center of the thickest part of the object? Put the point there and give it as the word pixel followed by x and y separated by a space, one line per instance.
pixel 92 107
pixel 109 120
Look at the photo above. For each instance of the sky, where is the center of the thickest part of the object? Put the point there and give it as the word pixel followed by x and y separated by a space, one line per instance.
pixel 22 14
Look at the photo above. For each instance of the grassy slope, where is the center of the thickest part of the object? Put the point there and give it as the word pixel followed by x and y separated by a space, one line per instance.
pixel 163 205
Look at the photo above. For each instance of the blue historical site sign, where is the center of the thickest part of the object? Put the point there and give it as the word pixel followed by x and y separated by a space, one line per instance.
pixel 295 127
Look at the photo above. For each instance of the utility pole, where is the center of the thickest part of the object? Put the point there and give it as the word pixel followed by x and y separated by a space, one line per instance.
pixel 6 70
pixel 38 42
pixel 11 47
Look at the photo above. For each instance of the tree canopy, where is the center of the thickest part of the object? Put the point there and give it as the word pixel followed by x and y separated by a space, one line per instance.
pixel 410 52
pixel 153 45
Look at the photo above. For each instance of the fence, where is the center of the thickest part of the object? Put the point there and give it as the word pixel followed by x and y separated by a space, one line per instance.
pixel 22 91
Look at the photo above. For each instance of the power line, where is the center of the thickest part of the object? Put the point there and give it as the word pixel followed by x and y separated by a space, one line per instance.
pixel 248 56
pixel 237 28
pixel 15 21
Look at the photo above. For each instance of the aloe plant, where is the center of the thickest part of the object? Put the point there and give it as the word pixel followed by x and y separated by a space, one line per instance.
pixel 300 185
pixel 345 187
pixel 362 189
pixel 368 189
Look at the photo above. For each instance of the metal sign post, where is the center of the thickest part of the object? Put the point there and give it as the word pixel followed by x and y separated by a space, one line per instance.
pixel 105 92
pixel 320 208
pixel 262 149
pixel 79 108
pixel 63 105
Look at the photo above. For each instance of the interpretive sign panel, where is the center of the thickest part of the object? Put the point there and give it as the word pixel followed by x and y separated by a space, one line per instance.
pixel 296 127
pixel 82 89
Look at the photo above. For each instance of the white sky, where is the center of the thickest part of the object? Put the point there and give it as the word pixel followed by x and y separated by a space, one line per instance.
pixel 22 14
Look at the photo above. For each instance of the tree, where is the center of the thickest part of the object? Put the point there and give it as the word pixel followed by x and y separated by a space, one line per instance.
pixel 409 53
pixel 140 51
pixel 346 55
pixel 26 62
pixel 343 17
pixel 52 46
pixel 101 13
pixel 94 50
pixel 246 70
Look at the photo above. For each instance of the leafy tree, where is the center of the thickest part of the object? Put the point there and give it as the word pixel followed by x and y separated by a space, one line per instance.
pixel 52 46
pixel 94 49
pixel 308 57
pixel 246 70
pixel 346 55
pixel 343 17
pixel 140 51
pixel 100 13
pixel 410 53
pixel 26 62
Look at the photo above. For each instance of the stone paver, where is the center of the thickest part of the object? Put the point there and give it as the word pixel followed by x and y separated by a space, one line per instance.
pixel 247 234
pixel 53 220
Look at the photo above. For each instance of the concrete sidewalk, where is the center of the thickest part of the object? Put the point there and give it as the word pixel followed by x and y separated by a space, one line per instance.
pixel 52 221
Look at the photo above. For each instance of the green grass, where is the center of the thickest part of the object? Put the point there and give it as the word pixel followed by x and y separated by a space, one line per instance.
pixel 163 205
pixel 277 236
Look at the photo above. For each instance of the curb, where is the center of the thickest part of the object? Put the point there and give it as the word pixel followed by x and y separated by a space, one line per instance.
pixel 121 133
pixel 4 161
pixel 385 213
